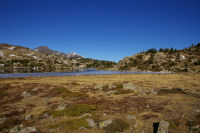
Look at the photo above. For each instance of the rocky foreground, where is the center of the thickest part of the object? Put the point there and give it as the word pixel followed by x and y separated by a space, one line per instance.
pixel 134 103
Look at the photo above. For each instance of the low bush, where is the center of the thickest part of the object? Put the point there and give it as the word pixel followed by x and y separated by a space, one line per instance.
pixel 9 123
pixel 63 92
pixel 167 91
pixel 117 125
pixel 71 124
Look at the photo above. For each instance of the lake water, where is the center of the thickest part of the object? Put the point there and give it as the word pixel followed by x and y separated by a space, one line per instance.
pixel 85 72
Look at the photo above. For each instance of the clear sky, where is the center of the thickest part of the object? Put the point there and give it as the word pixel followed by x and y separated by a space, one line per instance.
pixel 100 29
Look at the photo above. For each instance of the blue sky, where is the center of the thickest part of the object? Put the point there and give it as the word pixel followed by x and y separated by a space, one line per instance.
pixel 100 29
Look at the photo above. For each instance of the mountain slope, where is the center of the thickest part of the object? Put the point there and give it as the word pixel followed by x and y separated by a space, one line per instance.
pixel 21 59
pixel 46 50
pixel 185 60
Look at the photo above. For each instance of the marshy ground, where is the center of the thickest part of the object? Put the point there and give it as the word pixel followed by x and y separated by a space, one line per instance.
pixel 101 103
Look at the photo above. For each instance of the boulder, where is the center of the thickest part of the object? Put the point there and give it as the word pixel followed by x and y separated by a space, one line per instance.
pixel 91 123
pixel 128 86
pixel 163 127
pixel 105 123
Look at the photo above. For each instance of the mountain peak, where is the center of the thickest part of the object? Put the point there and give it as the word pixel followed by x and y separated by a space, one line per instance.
pixel 46 50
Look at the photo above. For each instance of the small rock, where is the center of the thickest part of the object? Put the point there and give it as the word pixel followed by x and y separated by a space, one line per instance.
pixel 21 126
pixel 105 123
pixel 130 117
pixel 163 127
pixel 62 106
pixel 91 122
pixel 2 120
pixel 35 89
pixel 128 86
pixel 28 117
pixel 21 110
pixel 104 114
pixel 82 128
pixel 45 115
pixel 153 92
pixel 111 86
pixel 197 111
pixel 135 125
pixel 28 130
pixel 99 86
pixel 85 115
pixel 111 92
pixel 25 94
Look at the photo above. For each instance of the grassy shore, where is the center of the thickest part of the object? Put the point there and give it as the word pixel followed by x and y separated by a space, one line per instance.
pixel 101 97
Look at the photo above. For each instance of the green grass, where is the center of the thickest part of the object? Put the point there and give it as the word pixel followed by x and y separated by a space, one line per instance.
pixel 71 124
pixel 73 110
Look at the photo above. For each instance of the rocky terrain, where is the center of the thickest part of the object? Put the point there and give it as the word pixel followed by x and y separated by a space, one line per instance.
pixel 136 103
pixel 173 60
pixel 42 59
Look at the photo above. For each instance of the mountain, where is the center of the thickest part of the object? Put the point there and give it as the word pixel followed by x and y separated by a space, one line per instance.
pixel 169 59
pixel 42 59
pixel 46 50
pixel 74 55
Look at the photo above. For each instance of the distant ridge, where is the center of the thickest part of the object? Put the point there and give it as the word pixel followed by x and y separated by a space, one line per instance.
pixel 46 50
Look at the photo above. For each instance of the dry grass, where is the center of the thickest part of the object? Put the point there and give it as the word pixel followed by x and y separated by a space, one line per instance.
pixel 179 109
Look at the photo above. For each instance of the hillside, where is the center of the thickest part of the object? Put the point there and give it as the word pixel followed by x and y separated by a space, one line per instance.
pixel 21 59
pixel 173 60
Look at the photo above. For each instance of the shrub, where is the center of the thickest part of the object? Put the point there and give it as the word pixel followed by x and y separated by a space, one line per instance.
pixel 197 62
pixel 9 123
pixel 152 51
pixel 117 125
pixel 139 57
pixel 71 124
pixel 167 91
pixel 121 91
